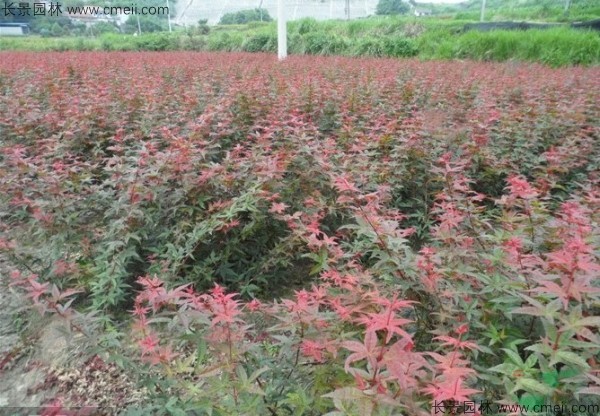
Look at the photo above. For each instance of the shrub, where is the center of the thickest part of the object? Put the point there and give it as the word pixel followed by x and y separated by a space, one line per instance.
pixel 156 42
pixel 369 46
pixel 389 47
pixel 195 43
pixel 225 42
pixel 203 29
pixel 260 43
pixel 103 27
pixel 57 30
pixel 391 7
pixel 400 47
pixel 307 25
pixel 321 43
pixel 245 16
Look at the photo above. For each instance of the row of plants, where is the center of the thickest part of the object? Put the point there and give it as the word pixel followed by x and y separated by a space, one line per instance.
pixel 318 236
pixel 554 47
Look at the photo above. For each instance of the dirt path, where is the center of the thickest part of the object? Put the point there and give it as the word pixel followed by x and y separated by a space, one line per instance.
pixel 22 379
pixel 43 364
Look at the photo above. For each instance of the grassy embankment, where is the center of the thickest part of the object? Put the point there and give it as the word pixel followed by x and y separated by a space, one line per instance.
pixel 426 38
pixel 518 10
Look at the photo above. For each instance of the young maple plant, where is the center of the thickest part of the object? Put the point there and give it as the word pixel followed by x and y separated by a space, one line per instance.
pixel 316 236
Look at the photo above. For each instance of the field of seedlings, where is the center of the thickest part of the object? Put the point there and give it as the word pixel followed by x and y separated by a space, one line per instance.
pixel 341 236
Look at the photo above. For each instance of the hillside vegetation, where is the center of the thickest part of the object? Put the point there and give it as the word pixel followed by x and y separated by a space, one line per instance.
pixel 537 10
pixel 430 38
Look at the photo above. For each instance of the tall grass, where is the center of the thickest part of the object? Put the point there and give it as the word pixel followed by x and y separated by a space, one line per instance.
pixel 531 10
pixel 107 42
pixel 390 37
pixel 554 47
pixel 40 44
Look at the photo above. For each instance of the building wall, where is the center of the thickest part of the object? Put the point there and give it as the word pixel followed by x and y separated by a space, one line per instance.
pixel 11 31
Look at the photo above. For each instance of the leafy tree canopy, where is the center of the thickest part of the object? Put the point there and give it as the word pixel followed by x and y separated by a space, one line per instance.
pixel 245 16
pixel 392 7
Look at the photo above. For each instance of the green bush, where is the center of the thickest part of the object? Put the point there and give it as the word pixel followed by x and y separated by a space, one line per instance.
pixel 156 42
pixel 57 30
pixel 195 43
pixel 321 43
pixel 390 7
pixel 399 47
pixel 203 29
pixel 307 25
pixel 369 46
pixel 228 42
pixel 245 16
pixel 103 27
pixel 262 42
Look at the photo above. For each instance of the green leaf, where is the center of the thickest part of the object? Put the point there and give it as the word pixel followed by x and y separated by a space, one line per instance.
pixel 173 408
pixel 531 361
pixel 256 374
pixel 550 378
pixel 533 386
pixel 351 395
pixel 567 372
pixel 504 368
pixel 589 321
pixel 569 357
pixel 516 358
pixel 529 400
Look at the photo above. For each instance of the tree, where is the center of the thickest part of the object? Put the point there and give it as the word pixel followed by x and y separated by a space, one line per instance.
pixel 392 7
pixel 57 30
pixel 245 16
pixel 104 27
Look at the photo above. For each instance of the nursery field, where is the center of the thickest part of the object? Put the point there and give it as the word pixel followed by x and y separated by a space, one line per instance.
pixel 323 235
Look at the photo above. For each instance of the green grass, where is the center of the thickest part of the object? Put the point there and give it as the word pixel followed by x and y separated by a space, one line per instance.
pixel 430 38
pixel 40 44
pixel 531 10
pixel 554 47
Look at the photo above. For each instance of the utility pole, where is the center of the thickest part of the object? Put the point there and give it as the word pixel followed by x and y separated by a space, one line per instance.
pixel 567 5
pixel 347 10
pixel 281 32
pixel 169 15
pixel 482 17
